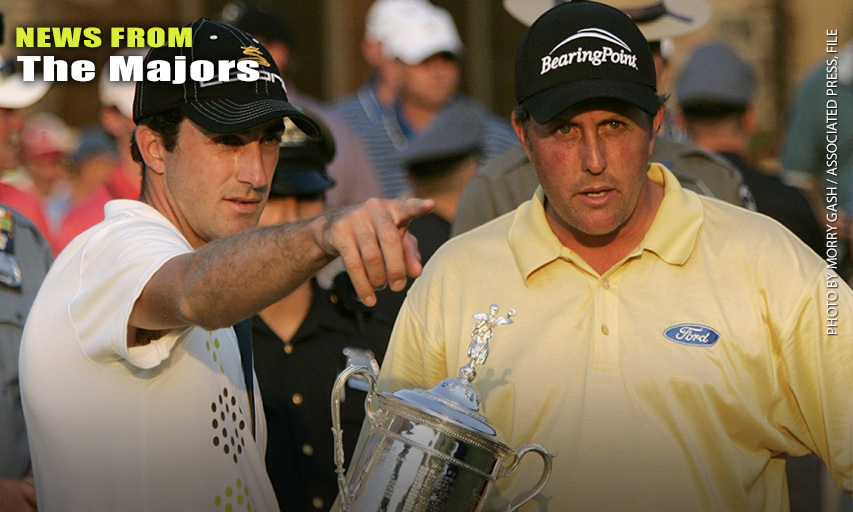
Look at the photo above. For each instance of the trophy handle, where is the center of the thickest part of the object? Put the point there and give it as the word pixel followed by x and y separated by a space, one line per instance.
pixel 338 432
pixel 546 472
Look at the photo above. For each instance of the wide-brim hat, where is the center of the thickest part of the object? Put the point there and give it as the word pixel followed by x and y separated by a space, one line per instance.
pixel 657 19
pixel 15 93
pixel 222 104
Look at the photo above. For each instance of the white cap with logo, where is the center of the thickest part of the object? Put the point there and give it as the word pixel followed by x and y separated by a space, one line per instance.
pixel 427 31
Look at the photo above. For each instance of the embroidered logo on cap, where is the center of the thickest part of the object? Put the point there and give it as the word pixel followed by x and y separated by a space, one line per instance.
pixel 594 57
pixel 692 334
pixel 254 53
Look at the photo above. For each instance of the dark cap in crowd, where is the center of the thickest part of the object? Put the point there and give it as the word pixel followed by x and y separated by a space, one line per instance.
pixel 94 141
pixel 579 51
pixel 260 19
pixel 657 19
pixel 302 161
pixel 455 133
pixel 715 75
pixel 221 106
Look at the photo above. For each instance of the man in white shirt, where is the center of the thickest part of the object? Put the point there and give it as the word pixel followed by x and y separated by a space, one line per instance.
pixel 136 390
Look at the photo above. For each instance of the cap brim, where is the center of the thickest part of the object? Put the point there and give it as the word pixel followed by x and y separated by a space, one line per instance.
pixel 549 103
pixel 295 182
pixel 684 16
pixel 419 55
pixel 229 116
pixel 15 93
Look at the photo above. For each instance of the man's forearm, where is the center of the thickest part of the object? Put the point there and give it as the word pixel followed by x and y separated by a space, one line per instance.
pixel 232 278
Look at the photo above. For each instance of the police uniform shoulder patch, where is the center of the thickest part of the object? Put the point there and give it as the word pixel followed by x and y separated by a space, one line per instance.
pixel 10 271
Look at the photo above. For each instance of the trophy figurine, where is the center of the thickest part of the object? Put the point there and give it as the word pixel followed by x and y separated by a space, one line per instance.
pixel 430 450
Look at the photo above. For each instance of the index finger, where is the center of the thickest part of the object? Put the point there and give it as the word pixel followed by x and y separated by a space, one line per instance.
pixel 413 208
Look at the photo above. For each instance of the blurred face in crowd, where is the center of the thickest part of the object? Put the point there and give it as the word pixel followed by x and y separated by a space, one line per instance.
pixel 213 184
pixel 591 161
pixel 291 209
pixel 431 83
pixel 46 170
pixel 118 125
pixel 10 130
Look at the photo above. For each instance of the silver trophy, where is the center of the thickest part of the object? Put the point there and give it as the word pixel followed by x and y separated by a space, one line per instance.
pixel 430 450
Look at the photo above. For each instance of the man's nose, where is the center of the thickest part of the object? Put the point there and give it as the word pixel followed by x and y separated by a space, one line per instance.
pixel 250 166
pixel 594 161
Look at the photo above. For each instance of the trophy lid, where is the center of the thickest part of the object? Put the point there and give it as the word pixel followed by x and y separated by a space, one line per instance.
pixel 455 399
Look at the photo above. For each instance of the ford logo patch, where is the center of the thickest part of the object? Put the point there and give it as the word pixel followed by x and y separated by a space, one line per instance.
pixel 692 334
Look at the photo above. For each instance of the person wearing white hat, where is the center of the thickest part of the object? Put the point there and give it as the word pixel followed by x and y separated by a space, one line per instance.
pixel 369 111
pixel 15 94
pixel 503 184
pixel 381 20
pixel 426 49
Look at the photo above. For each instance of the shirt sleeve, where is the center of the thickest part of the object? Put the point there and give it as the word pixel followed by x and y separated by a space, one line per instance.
pixel 816 392
pixel 114 268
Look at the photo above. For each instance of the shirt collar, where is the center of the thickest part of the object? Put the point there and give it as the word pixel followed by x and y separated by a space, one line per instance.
pixel 671 236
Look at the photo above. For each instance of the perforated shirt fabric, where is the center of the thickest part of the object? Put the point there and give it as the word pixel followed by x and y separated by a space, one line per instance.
pixel 164 426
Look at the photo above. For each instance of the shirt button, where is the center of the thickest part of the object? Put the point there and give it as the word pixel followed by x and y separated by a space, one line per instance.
pixel 605 283
pixel 288 348
pixel 297 399
pixel 604 330
pixel 317 502
pixel 307 449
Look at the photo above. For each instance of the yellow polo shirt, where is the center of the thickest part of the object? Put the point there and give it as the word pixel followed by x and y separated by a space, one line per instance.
pixel 676 381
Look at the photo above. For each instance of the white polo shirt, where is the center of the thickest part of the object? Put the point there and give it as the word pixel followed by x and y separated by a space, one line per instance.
pixel 164 426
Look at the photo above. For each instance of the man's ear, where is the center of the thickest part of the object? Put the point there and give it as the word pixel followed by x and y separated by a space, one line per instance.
pixel 151 147
pixel 657 122
pixel 518 127
pixel 749 121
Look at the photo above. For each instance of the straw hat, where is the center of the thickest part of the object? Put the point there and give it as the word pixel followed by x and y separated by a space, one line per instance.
pixel 657 19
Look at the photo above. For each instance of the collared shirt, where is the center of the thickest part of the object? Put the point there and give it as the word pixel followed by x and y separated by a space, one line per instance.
pixel 296 380
pixel 381 137
pixel 676 380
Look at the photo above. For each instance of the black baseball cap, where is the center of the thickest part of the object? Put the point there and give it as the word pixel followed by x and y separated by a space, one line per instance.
pixel 218 105
pixel 579 51
pixel 302 161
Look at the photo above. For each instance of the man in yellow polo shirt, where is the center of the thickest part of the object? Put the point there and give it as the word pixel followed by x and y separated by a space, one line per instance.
pixel 672 348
